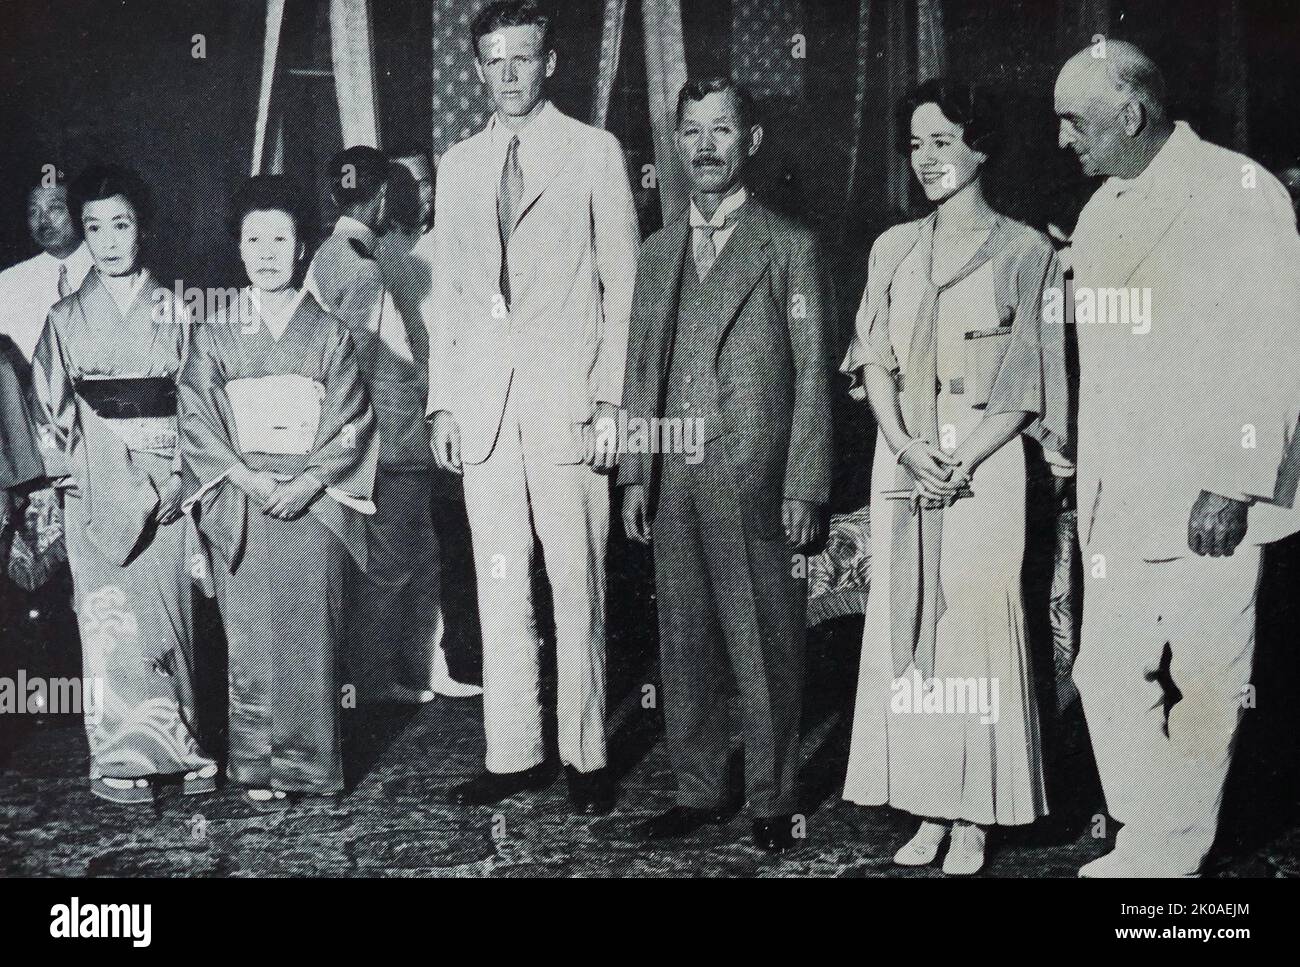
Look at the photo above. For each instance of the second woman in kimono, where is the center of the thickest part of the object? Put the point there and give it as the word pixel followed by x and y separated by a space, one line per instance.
pixel 278 430
pixel 955 356
pixel 105 373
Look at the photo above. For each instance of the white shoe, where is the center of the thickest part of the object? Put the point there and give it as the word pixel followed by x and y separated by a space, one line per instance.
pixel 966 851
pixel 1110 866
pixel 444 684
pixel 923 847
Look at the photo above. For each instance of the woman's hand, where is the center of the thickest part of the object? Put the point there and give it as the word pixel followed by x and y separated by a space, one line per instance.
pixel 935 498
pixel 292 498
pixel 257 484
pixel 930 467
pixel 169 501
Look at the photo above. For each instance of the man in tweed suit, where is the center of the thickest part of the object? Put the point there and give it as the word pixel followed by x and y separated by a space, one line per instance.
pixel 731 334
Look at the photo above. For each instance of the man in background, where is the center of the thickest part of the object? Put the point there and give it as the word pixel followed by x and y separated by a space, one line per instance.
pixel 29 289
pixel 393 614
pixel 457 658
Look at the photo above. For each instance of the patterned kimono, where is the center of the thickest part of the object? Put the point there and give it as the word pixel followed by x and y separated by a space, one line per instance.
pixel 105 389
pixel 285 404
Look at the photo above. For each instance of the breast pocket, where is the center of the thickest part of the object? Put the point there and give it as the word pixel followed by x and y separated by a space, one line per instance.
pixel 984 351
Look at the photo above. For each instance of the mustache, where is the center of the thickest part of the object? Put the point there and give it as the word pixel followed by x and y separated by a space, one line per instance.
pixel 706 159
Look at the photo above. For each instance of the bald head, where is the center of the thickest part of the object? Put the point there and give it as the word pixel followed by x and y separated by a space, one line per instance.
pixel 1111 100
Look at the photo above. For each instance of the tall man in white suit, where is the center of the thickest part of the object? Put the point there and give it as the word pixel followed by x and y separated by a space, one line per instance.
pixel 1187 286
pixel 535 239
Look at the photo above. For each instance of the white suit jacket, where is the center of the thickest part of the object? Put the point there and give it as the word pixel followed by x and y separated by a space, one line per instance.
pixel 1208 398
pixel 562 346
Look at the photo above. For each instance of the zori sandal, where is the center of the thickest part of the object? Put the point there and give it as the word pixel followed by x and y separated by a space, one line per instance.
pixel 267 800
pixel 200 782
pixel 124 792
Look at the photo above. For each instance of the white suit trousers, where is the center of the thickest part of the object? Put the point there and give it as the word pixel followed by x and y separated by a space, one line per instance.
pixel 507 497
pixel 1163 766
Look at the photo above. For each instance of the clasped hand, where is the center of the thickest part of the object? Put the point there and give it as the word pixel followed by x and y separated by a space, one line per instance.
pixel 940 479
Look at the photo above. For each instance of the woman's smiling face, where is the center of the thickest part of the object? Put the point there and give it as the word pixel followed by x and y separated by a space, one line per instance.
pixel 941 160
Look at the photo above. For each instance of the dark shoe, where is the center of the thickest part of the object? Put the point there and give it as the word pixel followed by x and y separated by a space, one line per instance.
pixel 590 793
pixel 682 821
pixel 774 834
pixel 492 787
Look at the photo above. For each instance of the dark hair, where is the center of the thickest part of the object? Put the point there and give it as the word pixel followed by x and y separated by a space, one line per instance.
pixel 413 148
pixel 969 107
pixel 698 88
pixel 107 181
pixel 403 197
pixel 356 174
pixel 268 193
pixel 511 13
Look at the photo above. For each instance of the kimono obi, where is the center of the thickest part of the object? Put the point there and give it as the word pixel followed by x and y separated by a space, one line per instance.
pixel 276 414
pixel 140 411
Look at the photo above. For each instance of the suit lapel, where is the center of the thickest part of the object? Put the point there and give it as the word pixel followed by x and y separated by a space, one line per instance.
pixel 742 262
pixel 1141 235
pixel 667 295
pixel 552 154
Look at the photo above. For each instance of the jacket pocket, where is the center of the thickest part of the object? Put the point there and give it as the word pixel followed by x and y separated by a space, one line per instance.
pixel 984 351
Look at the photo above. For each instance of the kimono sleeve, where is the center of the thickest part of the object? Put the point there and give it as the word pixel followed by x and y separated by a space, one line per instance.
pixel 347 444
pixel 1031 377
pixel 56 405
pixel 206 438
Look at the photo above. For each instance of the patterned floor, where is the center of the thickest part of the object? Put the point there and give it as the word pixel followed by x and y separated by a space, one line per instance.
pixel 395 822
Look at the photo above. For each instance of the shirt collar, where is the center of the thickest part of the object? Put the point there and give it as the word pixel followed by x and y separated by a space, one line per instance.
pixel 501 133
pixel 1165 168
pixel 78 259
pixel 725 210
pixel 349 227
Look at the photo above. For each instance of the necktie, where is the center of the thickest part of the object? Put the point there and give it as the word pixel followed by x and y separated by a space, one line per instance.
pixel 65 289
pixel 916 594
pixel 706 250
pixel 508 199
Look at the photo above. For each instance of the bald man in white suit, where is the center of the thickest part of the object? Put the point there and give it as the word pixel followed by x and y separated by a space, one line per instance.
pixel 536 239
pixel 1187 292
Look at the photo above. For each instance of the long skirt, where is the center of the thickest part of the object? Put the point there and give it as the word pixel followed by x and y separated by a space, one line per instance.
pixel 970 749
pixel 283 612
pixel 136 646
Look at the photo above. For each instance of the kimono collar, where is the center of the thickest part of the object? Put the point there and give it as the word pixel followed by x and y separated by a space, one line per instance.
pixel 128 301
pixel 276 323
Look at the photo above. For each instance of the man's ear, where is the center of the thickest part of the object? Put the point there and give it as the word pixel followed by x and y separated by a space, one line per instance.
pixel 551 61
pixel 755 139
pixel 1134 116
pixel 478 69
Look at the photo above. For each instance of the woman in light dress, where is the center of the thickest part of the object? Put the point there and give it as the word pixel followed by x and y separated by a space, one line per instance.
pixel 958 358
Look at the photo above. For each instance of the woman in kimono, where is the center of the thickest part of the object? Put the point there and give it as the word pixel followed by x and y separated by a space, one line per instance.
pixel 279 433
pixel 955 356
pixel 105 374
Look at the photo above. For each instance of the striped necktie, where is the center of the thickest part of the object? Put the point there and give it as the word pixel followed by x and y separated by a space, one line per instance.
pixel 65 289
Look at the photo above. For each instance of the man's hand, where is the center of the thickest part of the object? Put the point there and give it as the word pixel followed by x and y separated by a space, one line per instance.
pixel 636 513
pixel 600 439
pixel 169 501
pixel 444 439
pixel 1216 525
pixel 802 522
pixel 257 484
pixel 292 498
